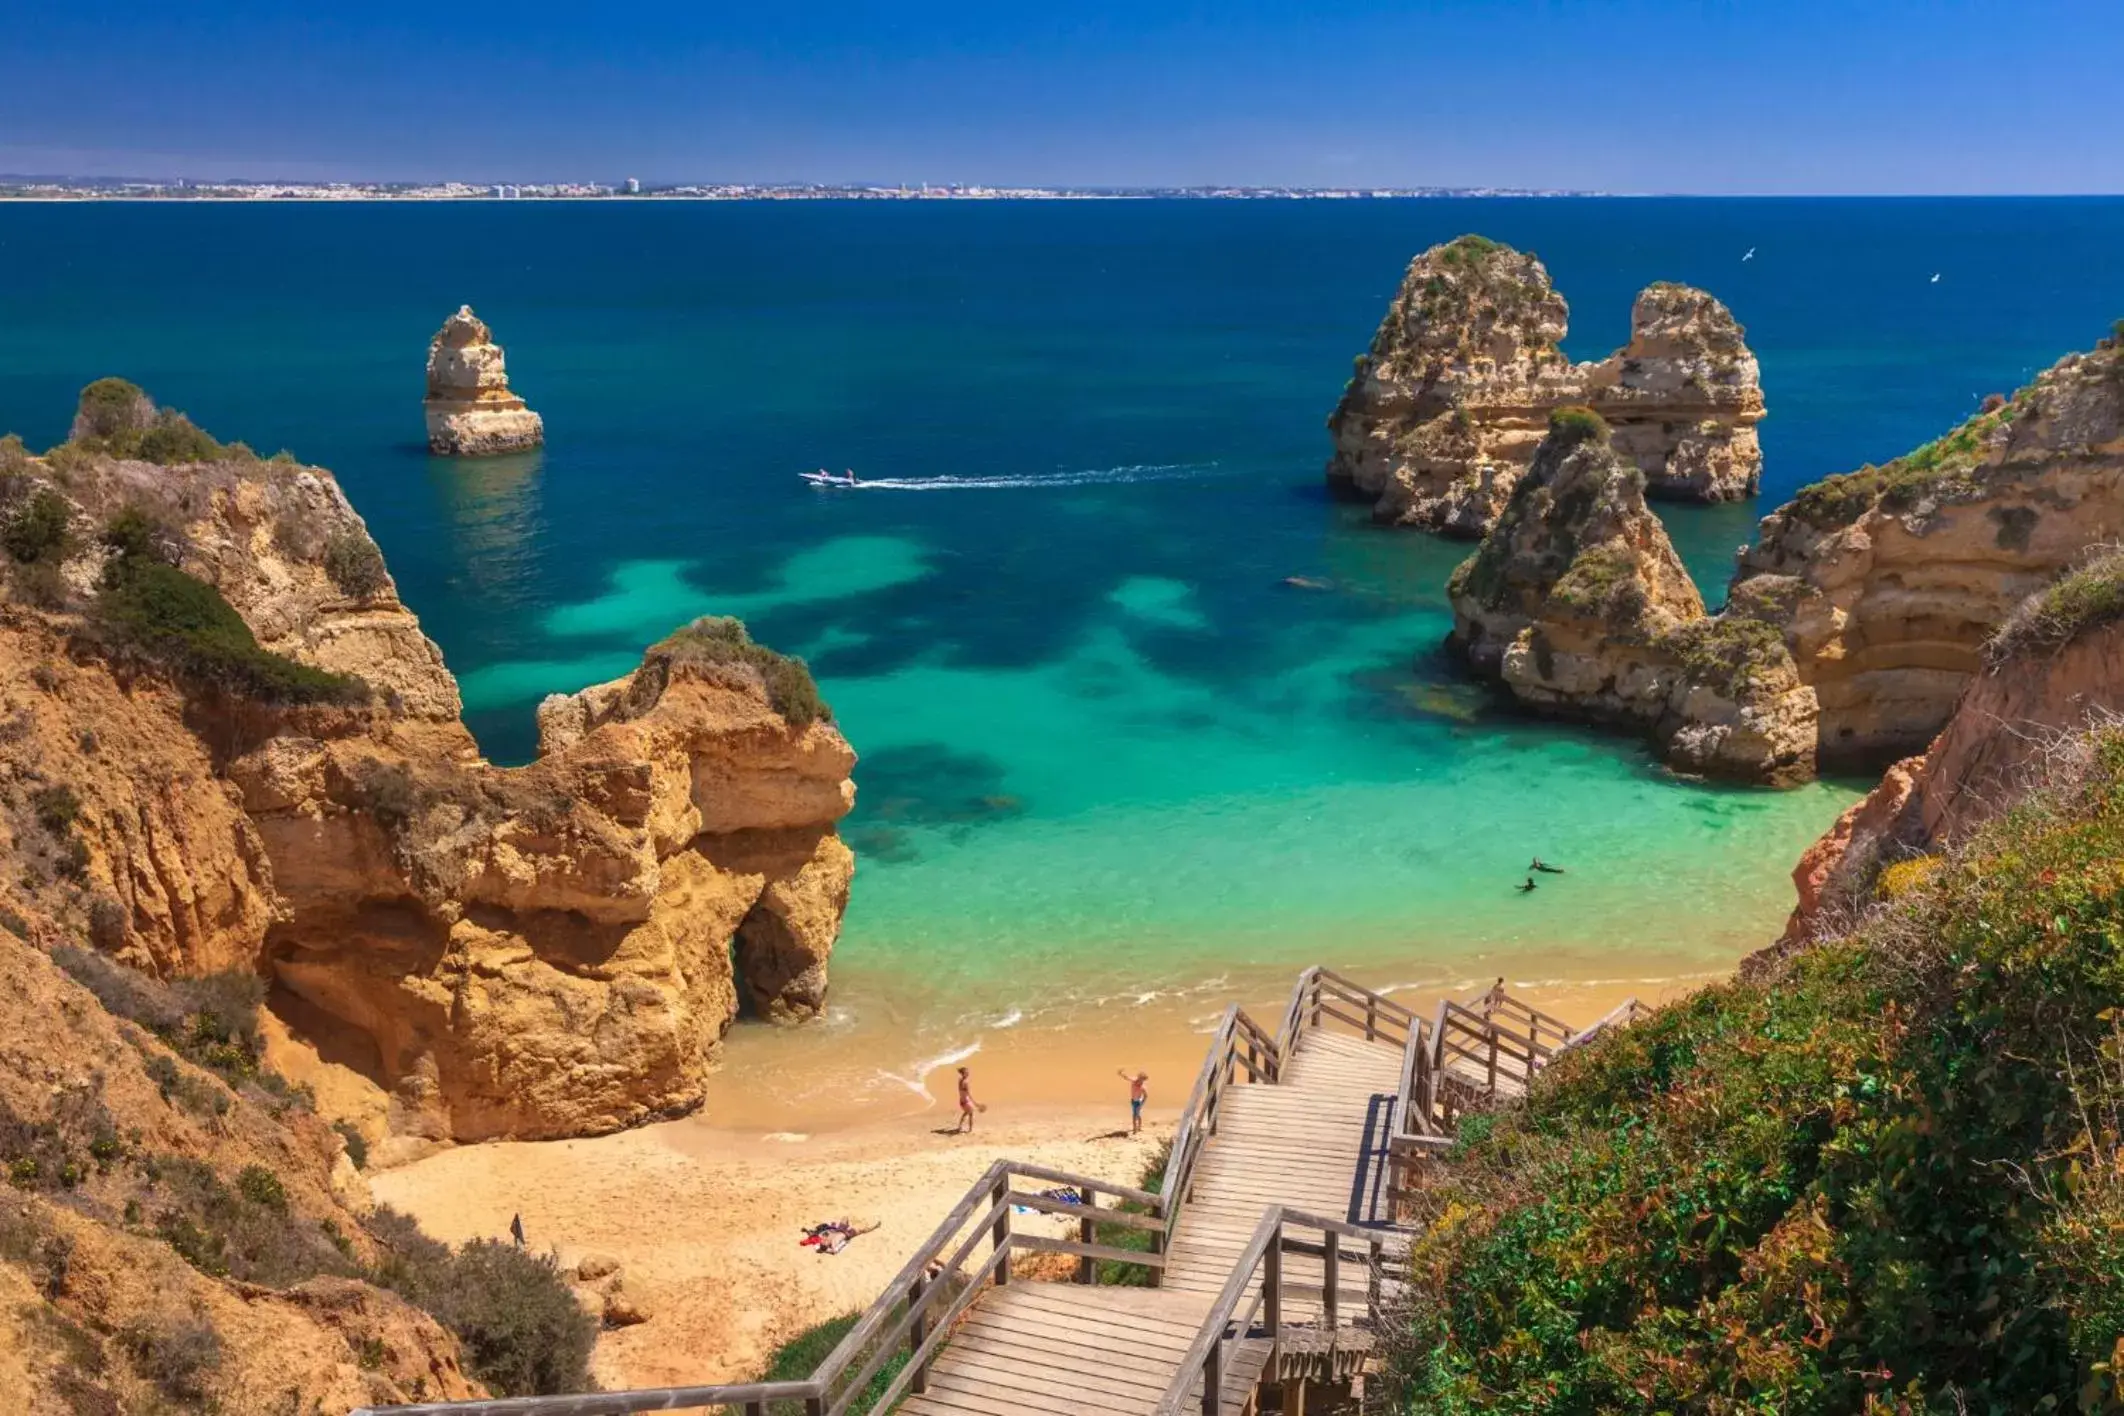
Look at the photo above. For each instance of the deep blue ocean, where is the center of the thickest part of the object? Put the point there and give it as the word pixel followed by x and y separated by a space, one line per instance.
pixel 1107 751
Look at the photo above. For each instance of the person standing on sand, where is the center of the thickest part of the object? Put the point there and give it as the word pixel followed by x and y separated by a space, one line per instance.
pixel 1138 1093
pixel 516 1229
pixel 967 1105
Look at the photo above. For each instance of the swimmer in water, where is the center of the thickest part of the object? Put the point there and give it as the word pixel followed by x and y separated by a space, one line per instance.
pixel 1523 889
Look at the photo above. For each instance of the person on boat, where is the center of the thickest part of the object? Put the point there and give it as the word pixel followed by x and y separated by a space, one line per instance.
pixel 1544 867
pixel 1138 1093
pixel 848 476
pixel 1523 889
pixel 967 1105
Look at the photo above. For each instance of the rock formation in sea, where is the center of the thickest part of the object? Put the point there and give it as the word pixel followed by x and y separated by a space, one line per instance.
pixel 1565 601
pixel 2054 668
pixel 1444 411
pixel 224 742
pixel 470 410
pixel 1855 622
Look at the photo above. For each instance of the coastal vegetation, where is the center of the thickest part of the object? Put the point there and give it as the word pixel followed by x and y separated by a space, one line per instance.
pixel 719 641
pixel 244 1213
pixel 1881 1177
pixel 2079 601
pixel 160 614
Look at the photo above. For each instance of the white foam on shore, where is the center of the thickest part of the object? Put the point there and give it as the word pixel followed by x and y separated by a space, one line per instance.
pixel 787 1137
pixel 916 1079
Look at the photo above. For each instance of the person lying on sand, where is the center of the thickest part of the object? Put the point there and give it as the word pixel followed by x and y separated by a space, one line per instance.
pixel 1138 1093
pixel 967 1105
pixel 833 1236
pixel 1545 868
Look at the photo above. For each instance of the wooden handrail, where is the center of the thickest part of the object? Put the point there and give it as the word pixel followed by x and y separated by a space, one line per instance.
pixel 902 1312
pixel 1203 1360
pixel 1620 1016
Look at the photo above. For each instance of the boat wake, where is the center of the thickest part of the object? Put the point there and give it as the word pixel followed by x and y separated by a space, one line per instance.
pixel 1089 477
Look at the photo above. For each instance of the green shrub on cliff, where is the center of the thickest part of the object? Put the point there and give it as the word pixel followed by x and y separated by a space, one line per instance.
pixel 117 417
pixel 1574 424
pixel 2076 602
pixel 38 529
pixel 161 614
pixel 1883 1178
pixel 354 564
pixel 1728 651
pixel 717 639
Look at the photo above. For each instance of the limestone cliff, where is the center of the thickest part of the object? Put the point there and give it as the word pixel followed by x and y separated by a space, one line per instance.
pixel 470 410
pixel 1852 626
pixel 225 743
pixel 1444 411
pixel 1885 583
pixel 1567 597
pixel 2055 667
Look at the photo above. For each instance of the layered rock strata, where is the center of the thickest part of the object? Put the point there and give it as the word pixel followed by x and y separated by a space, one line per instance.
pixel 1578 605
pixel 553 949
pixel 1855 622
pixel 1443 413
pixel 2056 667
pixel 470 410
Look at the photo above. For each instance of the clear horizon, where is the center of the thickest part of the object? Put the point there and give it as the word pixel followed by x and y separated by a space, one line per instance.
pixel 1794 97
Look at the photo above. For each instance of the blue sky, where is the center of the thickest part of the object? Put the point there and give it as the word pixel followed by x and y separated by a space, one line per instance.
pixel 1627 95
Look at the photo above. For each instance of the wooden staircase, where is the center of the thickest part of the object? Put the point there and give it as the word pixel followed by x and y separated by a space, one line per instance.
pixel 1274 1248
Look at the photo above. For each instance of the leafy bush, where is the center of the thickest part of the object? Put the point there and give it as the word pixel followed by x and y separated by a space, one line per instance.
pixel 57 807
pixel 1729 651
pixel 40 529
pixel 180 1355
pixel 796 1359
pixel 523 1332
pixel 355 565
pixel 2075 603
pixel 210 1021
pixel 173 440
pixel 248 1232
pixel 719 640
pixel 137 533
pixel 1881 1179
pixel 182 623
pixel 1575 424
pixel 1118 1236
pixel 111 409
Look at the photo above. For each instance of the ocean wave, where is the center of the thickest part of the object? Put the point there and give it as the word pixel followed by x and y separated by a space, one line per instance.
pixel 916 1078
pixel 1088 477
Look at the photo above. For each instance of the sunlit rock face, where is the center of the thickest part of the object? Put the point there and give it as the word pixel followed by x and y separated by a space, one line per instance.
pixel 471 412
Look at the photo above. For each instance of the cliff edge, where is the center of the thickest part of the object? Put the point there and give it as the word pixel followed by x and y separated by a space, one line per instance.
pixel 224 743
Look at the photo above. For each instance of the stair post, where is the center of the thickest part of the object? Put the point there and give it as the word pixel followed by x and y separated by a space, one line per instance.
pixel 1000 1235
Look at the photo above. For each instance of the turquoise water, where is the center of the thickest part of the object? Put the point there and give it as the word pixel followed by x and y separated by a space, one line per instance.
pixel 1107 750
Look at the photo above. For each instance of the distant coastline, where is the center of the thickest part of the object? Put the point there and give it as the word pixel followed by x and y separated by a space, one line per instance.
pixel 75 189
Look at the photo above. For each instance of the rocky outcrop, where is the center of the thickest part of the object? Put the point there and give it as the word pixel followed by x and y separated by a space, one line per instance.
pixel 126 1161
pixel 1444 412
pixel 1568 597
pixel 1854 624
pixel 2056 667
pixel 553 949
pixel 1578 605
pixel 1885 583
pixel 470 410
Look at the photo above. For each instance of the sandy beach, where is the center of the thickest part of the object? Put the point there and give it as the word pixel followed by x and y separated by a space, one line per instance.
pixel 706 1221
pixel 705 1213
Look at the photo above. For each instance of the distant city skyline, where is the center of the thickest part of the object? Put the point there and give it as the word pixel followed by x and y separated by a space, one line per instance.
pixel 1682 96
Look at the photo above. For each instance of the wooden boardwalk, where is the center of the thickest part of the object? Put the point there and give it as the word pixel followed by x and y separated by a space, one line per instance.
pixel 1314 1140
pixel 1272 1238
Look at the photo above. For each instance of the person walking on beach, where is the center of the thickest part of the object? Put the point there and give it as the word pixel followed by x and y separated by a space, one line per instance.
pixel 967 1105
pixel 516 1229
pixel 1138 1093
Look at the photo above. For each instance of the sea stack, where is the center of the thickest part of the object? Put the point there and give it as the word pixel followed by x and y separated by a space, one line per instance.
pixel 1443 413
pixel 471 412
